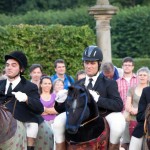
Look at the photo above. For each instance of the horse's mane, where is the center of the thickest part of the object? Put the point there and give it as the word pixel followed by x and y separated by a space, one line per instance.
pixel 4 119
pixel 8 124
pixel 147 118
pixel 147 126
pixel 2 113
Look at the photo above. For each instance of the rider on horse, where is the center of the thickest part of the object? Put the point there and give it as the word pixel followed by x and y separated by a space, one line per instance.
pixel 105 93
pixel 24 102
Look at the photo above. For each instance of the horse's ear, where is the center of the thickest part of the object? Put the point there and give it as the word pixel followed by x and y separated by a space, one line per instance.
pixel 71 88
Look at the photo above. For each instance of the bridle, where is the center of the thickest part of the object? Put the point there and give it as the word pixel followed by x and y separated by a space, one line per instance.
pixel 87 122
pixel 83 120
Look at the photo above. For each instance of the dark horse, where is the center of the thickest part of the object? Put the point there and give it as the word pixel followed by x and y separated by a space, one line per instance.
pixel 85 128
pixel 147 128
pixel 12 133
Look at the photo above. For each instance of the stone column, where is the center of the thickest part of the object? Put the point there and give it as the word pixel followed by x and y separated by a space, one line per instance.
pixel 103 13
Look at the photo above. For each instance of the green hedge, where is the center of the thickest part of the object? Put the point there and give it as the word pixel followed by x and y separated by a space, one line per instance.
pixel 45 44
pixel 77 16
pixel 139 62
pixel 130 27
pixel 131 33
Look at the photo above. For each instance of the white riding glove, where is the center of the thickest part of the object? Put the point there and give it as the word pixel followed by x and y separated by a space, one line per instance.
pixel 95 95
pixel 21 97
pixel 61 96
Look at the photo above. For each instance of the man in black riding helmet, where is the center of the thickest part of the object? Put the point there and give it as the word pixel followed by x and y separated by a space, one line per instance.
pixel 23 101
pixel 105 93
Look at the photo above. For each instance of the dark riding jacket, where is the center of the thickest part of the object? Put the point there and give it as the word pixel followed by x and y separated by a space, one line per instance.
pixel 24 112
pixel 109 100
pixel 143 103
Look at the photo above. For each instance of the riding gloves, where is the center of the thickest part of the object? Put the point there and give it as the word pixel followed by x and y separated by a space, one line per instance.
pixel 21 97
pixel 95 95
pixel 61 96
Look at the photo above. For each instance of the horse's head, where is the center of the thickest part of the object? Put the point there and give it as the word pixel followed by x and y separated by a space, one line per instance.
pixel 79 109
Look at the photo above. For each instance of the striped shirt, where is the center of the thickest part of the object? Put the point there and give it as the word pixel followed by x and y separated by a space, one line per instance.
pixel 124 85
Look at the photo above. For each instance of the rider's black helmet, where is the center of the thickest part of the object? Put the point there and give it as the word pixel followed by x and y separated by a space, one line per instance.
pixel 92 53
pixel 20 57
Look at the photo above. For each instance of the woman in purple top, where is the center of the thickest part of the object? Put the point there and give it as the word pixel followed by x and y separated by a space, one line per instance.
pixel 47 98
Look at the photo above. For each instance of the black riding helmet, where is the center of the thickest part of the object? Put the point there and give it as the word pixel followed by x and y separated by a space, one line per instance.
pixel 92 53
pixel 19 57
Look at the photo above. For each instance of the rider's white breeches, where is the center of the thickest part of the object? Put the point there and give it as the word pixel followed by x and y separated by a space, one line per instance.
pixel 117 124
pixel 59 127
pixel 136 143
pixel 31 129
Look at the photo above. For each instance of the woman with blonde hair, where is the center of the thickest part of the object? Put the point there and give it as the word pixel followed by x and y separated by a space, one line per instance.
pixel 58 85
pixel 133 97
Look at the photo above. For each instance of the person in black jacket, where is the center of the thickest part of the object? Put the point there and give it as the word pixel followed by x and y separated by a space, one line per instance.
pixel 24 101
pixel 105 93
pixel 138 133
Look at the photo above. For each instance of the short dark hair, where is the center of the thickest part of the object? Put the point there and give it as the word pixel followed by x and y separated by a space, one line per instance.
pixel 107 67
pixel 78 73
pixel 128 59
pixel 59 61
pixel 34 66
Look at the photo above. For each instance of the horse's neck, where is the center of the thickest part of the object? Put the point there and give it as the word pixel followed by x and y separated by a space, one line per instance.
pixel 7 125
pixel 4 121
pixel 93 107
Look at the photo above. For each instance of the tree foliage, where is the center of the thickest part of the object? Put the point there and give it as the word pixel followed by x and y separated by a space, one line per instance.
pixel 131 32
pixel 78 17
pixel 23 6
pixel 130 27
pixel 127 3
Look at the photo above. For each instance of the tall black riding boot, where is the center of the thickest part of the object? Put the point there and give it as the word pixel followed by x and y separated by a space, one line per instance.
pixel 30 147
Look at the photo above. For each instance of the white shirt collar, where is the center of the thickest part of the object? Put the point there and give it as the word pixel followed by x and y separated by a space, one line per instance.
pixel 94 79
pixel 14 83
